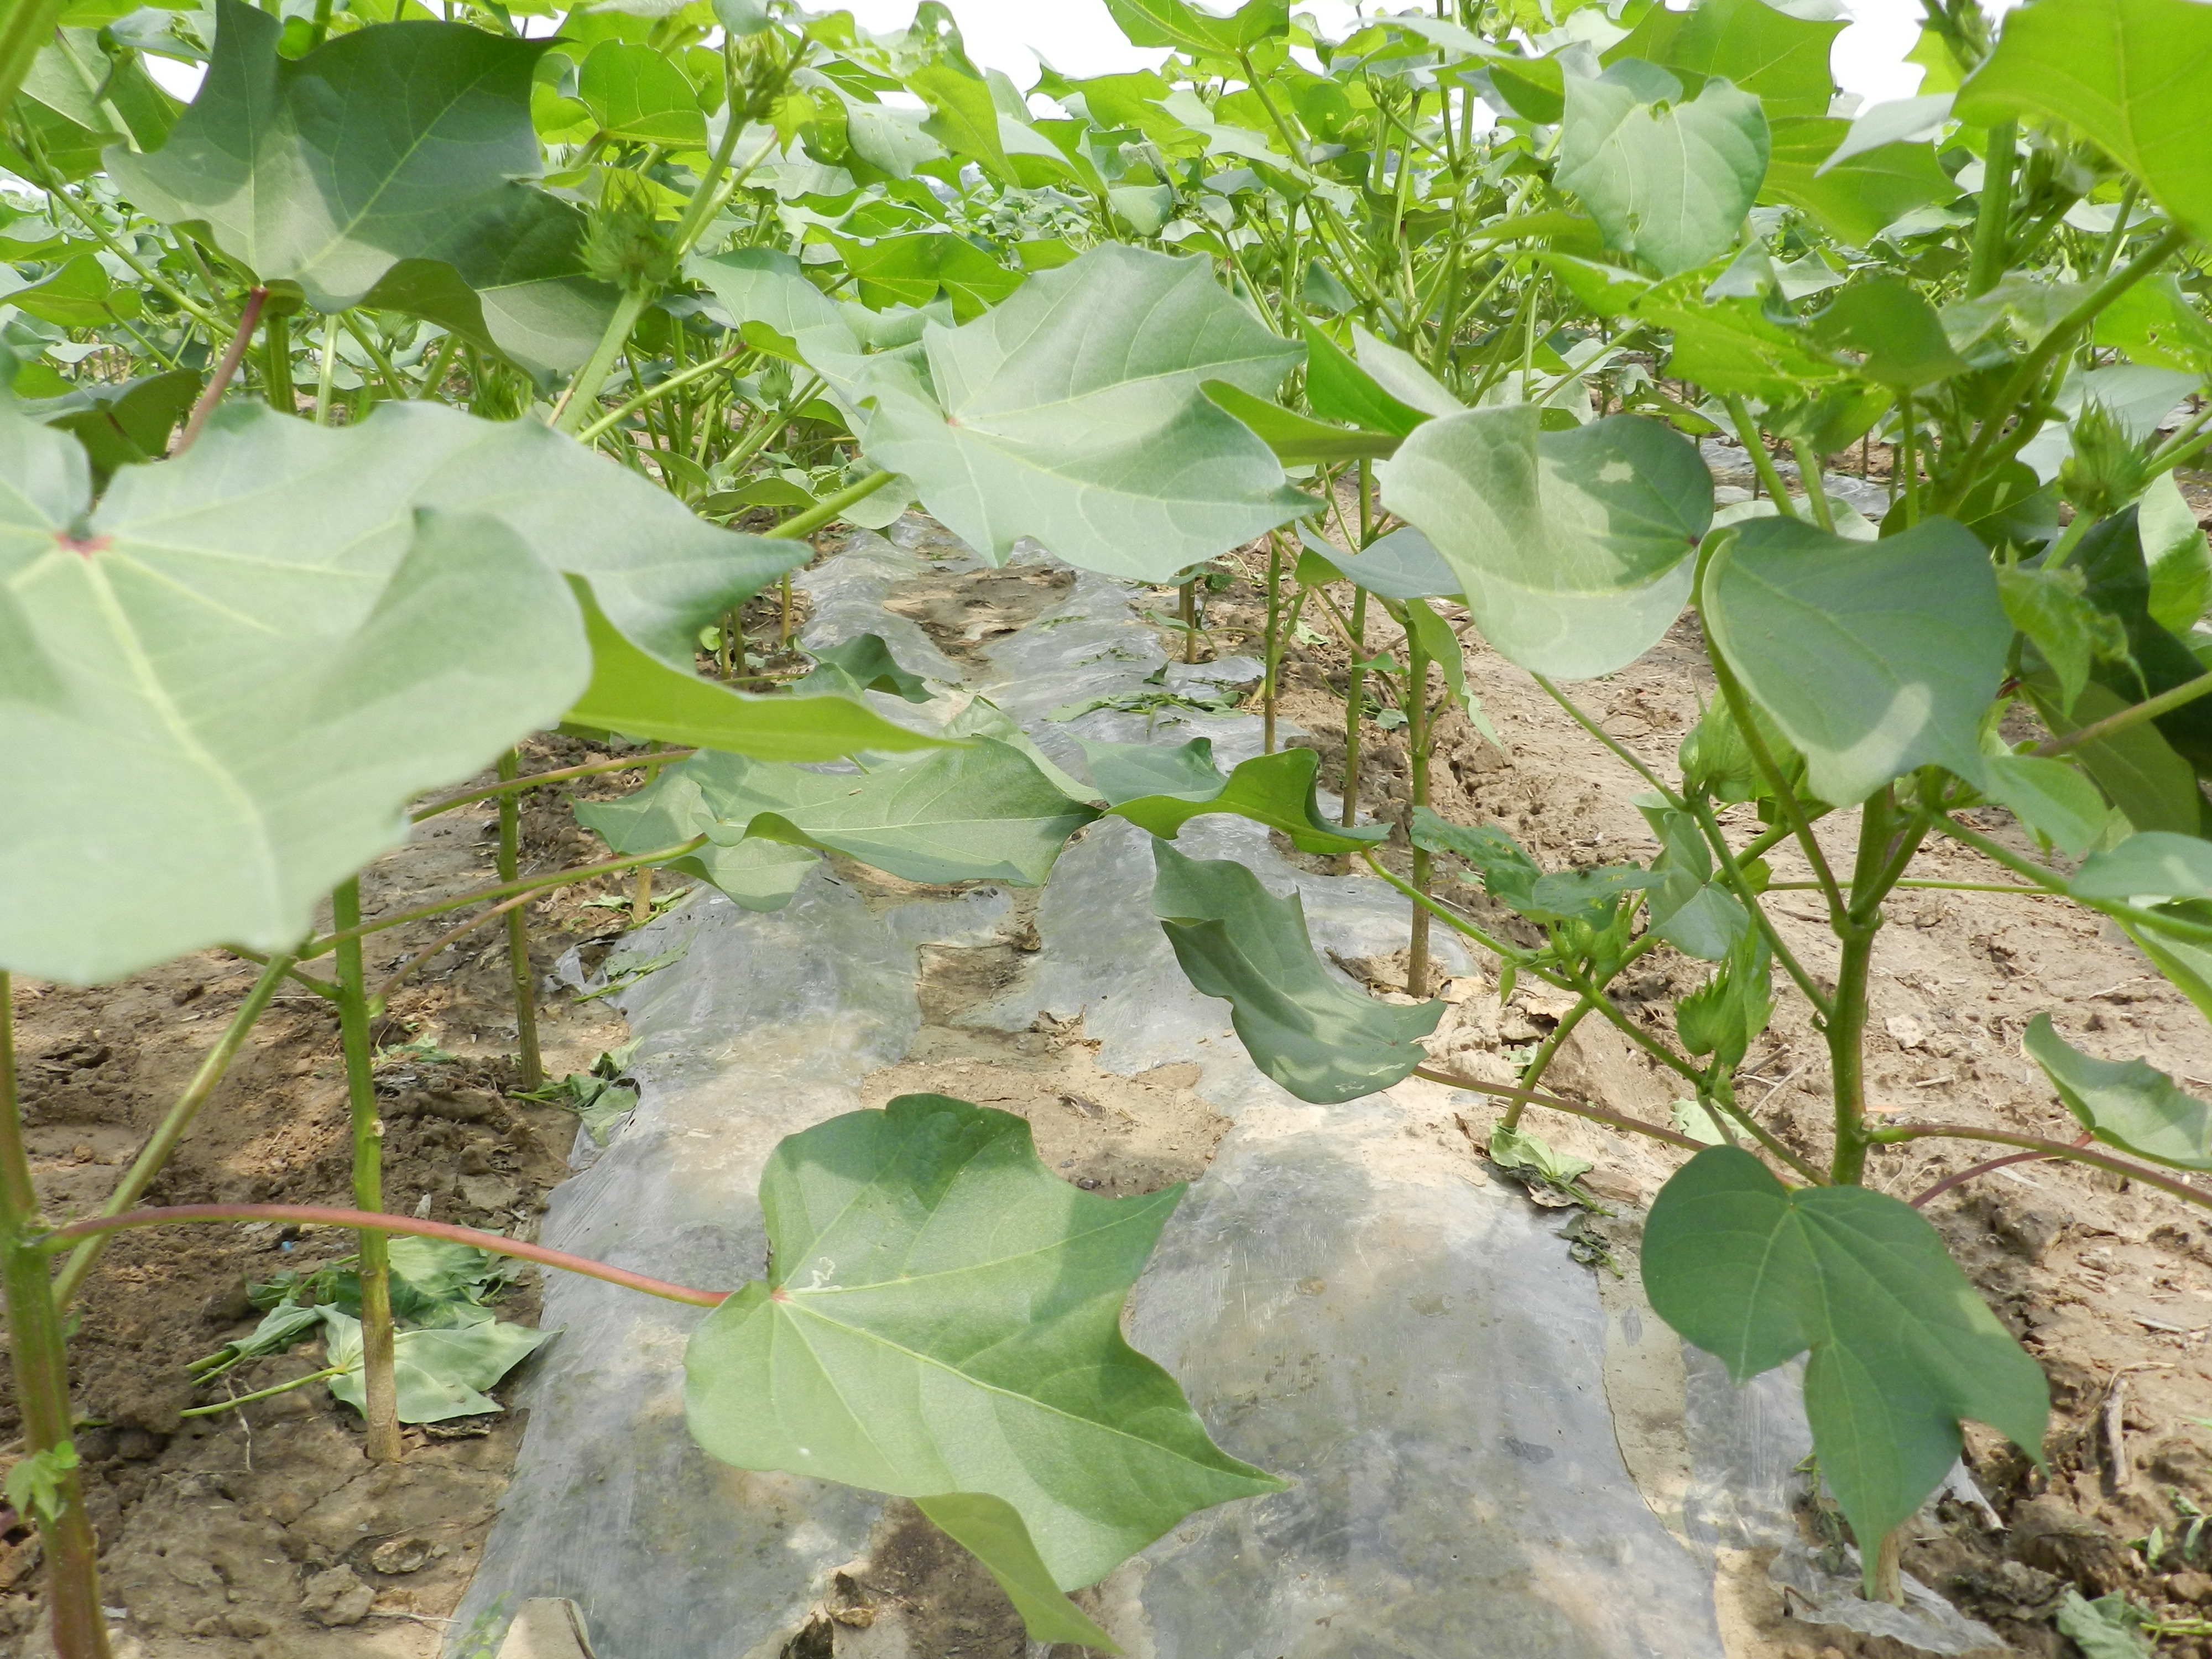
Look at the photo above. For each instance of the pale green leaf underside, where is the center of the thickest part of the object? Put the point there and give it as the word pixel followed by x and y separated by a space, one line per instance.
pixel 942 1317
pixel 1669 181
pixel 439 1374
pixel 1572 548
pixel 1902 1347
pixel 1072 413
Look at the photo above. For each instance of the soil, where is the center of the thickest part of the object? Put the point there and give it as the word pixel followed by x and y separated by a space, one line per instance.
pixel 263 1531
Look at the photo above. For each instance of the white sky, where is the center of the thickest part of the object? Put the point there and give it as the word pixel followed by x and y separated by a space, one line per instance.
pixel 1079 38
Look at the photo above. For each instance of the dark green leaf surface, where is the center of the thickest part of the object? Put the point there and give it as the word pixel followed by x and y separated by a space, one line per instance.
pixel 1317 1036
pixel 1873 658
pixel 1902 1348
pixel 2130 1104
pixel 1277 790
pixel 942 1317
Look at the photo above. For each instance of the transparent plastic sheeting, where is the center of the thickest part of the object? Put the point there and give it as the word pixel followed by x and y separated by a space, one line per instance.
pixel 1494 1450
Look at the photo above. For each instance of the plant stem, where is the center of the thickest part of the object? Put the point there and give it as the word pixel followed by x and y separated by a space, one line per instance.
pixel 1187 613
pixel 1792 810
pixel 232 354
pixel 827 510
pixel 1274 644
pixel 315 948
pixel 529 1068
pixel 277 365
pixel 379 1393
pixel 1747 432
pixel 1908 457
pixel 154 1155
pixel 1897 1133
pixel 1540 1062
pixel 265 1394
pixel 1560 1103
pixel 535 779
pixel 435 375
pixel 1355 685
pixel 1607 739
pixel 580 401
pixel 308 1215
pixel 1418 737
pixel 2150 709
pixel 640 903
pixel 1844 1029
pixel 1995 218
pixel 326 376
pixel 1813 477
pixel 40 1356
pixel 1732 868
pixel 674 382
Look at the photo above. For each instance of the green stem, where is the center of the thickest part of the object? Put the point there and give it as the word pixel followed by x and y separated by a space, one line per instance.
pixel 1898 1134
pixel 435 375
pixel 1844 1029
pixel 2111 250
pixel 1908 457
pixel 1995 218
pixel 1419 738
pixel 1740 885
pixel 379 1394
pixel 1608 740
pixel 1533 1074
pixel 1747 432
pixel 826 510
pixel 236 1401
pixel 326 375
pixel 687 376
pixel 1355 686
pixel 1813 477
pixel 40 1357
pixel 529 1068
pixel 315 948
pixel 538 779
pixel 154 1155
pixel 1274 644
pixel 1793 811
pixel 2150 708
pixel 577 404
pixel 277 366
pixel 1560 1103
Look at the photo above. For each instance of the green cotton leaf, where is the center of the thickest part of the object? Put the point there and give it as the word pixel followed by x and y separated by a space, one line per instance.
pixel 1400 377
pixel 641 697
pixel 1572 548
pixel 34 1483
pixel 2133 76
pixel 2109 1627
pixel 1402 565
pixel 1173 23
pixel 942 1317
pixel 1854 194
pixel 765 286
pixel 1277 790
pixel 2119 584
pixel 1902 1348
pixel 1873 658
pixel 962 115
pixel 2174 548
pixel 1072 413
pixel 2154 788
pixel 380 146
pixel 439 1374
pixel 2153 865
pixel 122 423
pixel 913 271
pixel 1509 874
pixel 2073 634
pixel 638 96
pixel 991 1529
pixel 1523 1149
pixel 1340 390
pixel 2051 798
pixel 1731 346
pixel 1312 1033
pixel 672 809
pixel 980 812
pixel 1606 290
pixel 1716 761
pixel 2130 1104
pixel 219 711
pixel 1667 179
pixel 1692 912
pixel 1297 439
pixel 2157 325
pixel 1896 334
pixel 78 293
pixel 1130 771
pixel 866 660
pixel 1779 57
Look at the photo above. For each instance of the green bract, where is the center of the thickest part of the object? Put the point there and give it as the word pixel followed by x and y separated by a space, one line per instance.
pixel 942 1322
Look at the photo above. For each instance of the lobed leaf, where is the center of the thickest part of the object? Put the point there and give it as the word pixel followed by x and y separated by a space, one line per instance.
pixel 2130 1104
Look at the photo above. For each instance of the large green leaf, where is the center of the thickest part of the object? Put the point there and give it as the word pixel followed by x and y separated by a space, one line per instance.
pixel 1277 790
pixel 1902 1349
pixel 1780 57
pixel 1402 565
pixel 2118 584
pixel 942 1317
pixel 2154 866
pixel 757 875
pixel 1733 345
pixel 1896 334
pixel 1856 195
pixel 636 93
pixel 1667 179
pixel 1873 658
pixel 2134 77
pixel 980 812
pixel 2138 770
pixel 641 697
pixel 405 142
pixel 1073 413
pixel 1315 1035
pixel 1173 23
pixel 439 1373
pixel 2130 1104
pixel 1572 548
